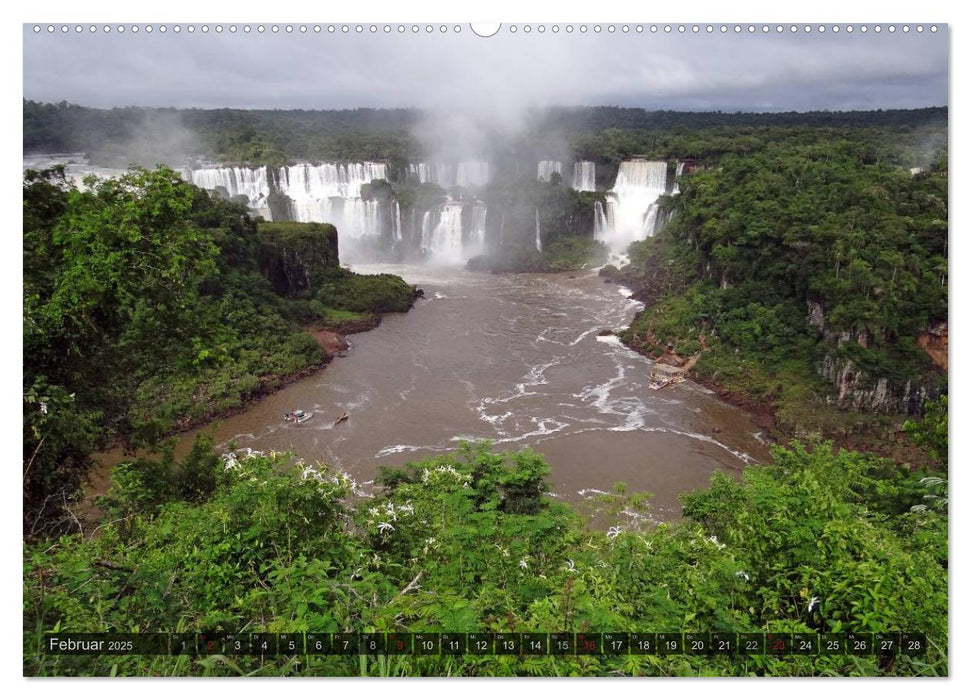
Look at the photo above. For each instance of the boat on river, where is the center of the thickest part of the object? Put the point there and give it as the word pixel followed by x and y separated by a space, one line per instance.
pixel 665 375
pixel 297 416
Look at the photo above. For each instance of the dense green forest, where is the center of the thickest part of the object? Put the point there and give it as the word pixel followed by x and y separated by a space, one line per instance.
pixel 811 275
pixel 468 542
pixel 150 306
pixel 275 137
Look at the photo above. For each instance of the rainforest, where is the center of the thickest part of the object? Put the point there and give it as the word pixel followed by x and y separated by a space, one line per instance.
pixel 622 373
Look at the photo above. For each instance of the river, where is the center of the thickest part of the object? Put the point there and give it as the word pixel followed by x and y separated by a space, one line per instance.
pixel 515 359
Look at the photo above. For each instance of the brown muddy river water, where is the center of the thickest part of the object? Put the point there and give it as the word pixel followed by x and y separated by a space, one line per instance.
pixel 514 359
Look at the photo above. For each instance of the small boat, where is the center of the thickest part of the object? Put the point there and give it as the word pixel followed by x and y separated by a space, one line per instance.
pixel 297 416
pixel 664 375
pixel 341 418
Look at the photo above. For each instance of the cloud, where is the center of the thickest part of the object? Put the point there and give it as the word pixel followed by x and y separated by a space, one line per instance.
pixel 497 78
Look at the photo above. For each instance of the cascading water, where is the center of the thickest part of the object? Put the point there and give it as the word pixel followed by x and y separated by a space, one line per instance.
pixel 396 225
pixel 466 173
pixel 445 240
pixel 539 241
pixel 675 189
pixel 601 222
pixel 420 171
pixel 546 168
pixel 426 230
pixel 332 193
pixel 329 192
pixel 472 173
pixel 478 227
pixel 448 238
pixel 585 176
pixel 252 182
pixel 632 204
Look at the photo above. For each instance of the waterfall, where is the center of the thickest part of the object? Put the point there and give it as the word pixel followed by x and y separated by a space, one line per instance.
pixel 502 227
pixel 472 173
pixel 426 230
pixel 466 173
pixel 675 189
pixel 331 193
pixel 396 224
pixel 478 227
pixel 449 238
pixel 420 171
pixel 539 241
pixel 632 204
pixel 445 240
pixel 251 182
pixel 601 224
pixel 546 168
pixel 585 176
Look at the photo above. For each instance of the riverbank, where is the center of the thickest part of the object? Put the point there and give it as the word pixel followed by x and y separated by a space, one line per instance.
pixel 330 338
pixel 786 400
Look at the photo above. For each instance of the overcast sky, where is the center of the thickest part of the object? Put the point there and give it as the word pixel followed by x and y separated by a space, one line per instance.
pixel 504 73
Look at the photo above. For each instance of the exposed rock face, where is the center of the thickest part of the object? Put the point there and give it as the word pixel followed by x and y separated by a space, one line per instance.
pixel 934 342
pixel 856 389
pixel 332 343
pixel 815 315
pixel 291 252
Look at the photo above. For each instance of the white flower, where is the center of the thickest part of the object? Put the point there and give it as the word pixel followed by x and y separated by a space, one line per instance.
pixel 406 508
pixel 614 531
pixel 813 602
pixel 229 461
pixel 742 574
pixel 714 541
pixel 523 564
pixel 570 566
pixel 389 509
pixel 603 564
pixel 384 527
pixel 43 407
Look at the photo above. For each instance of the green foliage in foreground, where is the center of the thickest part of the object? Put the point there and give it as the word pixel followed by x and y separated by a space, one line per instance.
pixel 931 430
pixel 150 305
pixel 470 542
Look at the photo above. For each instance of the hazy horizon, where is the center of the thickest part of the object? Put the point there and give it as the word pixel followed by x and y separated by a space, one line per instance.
pixel 875 108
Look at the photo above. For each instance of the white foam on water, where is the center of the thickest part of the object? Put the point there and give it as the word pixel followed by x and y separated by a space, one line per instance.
pixel 545 426
pixel 610 340
pixel 582 336
pixel 397 449
pixel 586 493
